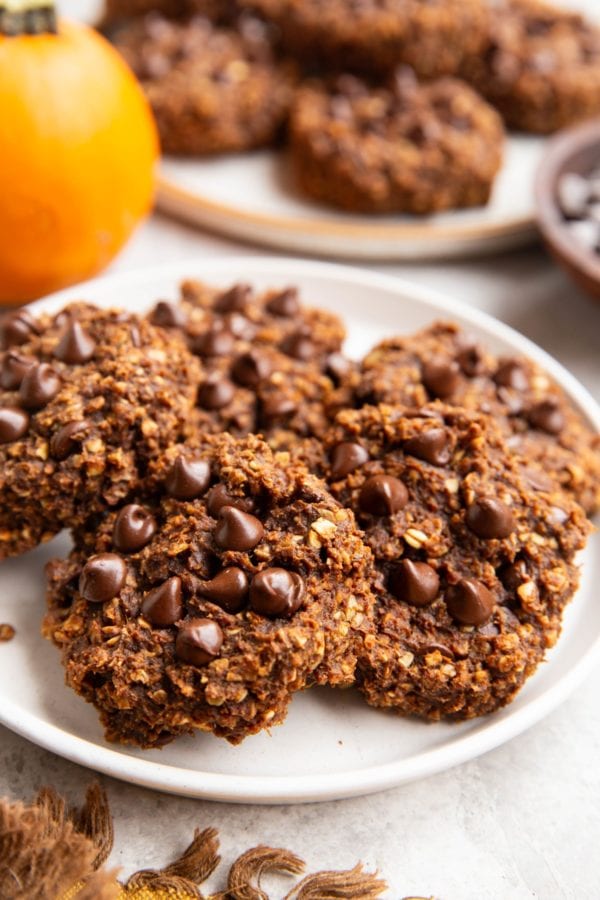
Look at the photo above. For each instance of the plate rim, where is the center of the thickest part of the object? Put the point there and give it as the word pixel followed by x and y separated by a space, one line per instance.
pixel 351 782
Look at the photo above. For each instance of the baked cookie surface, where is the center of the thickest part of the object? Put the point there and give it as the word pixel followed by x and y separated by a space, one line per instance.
pixel 87 398
pixel 212 90
pixel 476 566
pixel 540 66
pixel 409 147
pixel 207 605
pixel 538 421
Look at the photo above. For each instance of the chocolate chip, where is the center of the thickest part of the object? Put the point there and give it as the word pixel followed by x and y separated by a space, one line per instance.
pixel 102 578
pixel 13 424
pixel 228 589
pixel 299 346
pixel 414 582
pixel 441 378
pixel 18 328
pixel 14 367
pixel 513 575
pixel 237 530
pixel 433 446
pixel 337 367
pixel 490 518
pixel 163 605
pixel 168 315
pixel 239 326
pixel 134 527
pixel 510 373
pixel 218 497
pixel 284 304
pixel 198 641
pixel 383 495
pixel 277 407
pixel 471 361
pixel 215 342
pixel 66 438
pixel 276 592
pixel 346 457
pixel 249 369
pixel 76 346
pixel 234 300
pixel 215 393
pixel 40 384
pixel 187 478
pixel 470 602
pixel 547 416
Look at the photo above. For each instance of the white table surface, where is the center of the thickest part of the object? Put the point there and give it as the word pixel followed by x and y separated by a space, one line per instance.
pixel 522 821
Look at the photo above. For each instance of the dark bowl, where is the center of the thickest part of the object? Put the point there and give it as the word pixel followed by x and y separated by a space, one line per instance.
pixel 576 150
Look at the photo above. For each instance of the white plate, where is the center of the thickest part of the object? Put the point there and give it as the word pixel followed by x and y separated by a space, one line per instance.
pixel 252 197
pixel 332 745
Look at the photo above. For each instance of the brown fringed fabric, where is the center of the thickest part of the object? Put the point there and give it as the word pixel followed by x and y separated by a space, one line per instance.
pixel 331 885
pixel 246 872
pixel 95 822
pixel 184 875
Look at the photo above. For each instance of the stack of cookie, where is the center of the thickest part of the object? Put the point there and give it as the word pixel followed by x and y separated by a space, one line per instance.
pixel 386 105
pixel 253 513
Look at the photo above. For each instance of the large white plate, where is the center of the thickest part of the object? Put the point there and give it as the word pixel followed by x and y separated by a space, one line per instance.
pixel 332 745
pixel 252 197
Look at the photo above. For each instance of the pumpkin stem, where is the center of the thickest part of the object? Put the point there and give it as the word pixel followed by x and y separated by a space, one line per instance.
pixel 27 17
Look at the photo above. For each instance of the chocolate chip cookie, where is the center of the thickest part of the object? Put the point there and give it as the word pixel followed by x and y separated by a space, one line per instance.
pixel 87 398
pixel 374 36
pixel 407 147
pixel 208 603
pixel 212 90
pixel 540 65
pixel 476 565
pixel 270 365
pixel 537 419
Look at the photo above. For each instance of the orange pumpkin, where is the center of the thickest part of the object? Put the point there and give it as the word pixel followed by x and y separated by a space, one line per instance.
pixel 78 148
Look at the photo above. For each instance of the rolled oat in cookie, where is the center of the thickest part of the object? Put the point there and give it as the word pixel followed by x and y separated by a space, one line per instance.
pixel 235 582
pixel 87 398
pixel 476 565
pixel 537 419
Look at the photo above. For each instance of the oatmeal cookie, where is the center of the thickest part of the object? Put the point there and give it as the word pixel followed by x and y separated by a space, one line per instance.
pixel 538 421
pixel 212 90
pixel 374 36
pixel 87 398
pixel 476 565
pixel 206 605
pixel 540 66
pixel 408 147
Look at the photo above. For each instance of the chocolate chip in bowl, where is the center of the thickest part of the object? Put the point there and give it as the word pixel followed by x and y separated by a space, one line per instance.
pixel 567 194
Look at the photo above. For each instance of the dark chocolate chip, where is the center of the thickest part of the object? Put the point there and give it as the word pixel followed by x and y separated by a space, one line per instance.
pixel 187 478
pixel 102 577
pixel 250 368
pixel 66 438
pixel 490 518
pixel 510 373
pixel 299 346
pixel 40 384
pixel 228 589
pixel 198 641
pixel 13 424
pixel 337 367
pixel 234 300
pixel 134 528
pixel 547 416
pixel 216 392
pixel 277 407
pixel 168 315
pixel 276 592
pixel 18 328
pixel 441 378
pixel 237 530
pixel 433 446
pixel 346 457
pixel 470 602
pixel 471 360
pixel 414 582
pixel 218 497
pixel 284 304
pixel 163 605
pixel 14 367
pixel 383 495
pixel 215 342
pixel 76 346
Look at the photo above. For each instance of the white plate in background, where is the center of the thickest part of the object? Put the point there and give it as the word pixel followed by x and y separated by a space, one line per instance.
pixel 332 745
